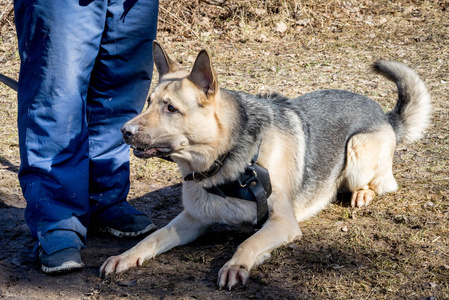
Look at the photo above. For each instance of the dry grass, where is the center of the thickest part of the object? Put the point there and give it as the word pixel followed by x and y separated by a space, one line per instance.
pixel 396 248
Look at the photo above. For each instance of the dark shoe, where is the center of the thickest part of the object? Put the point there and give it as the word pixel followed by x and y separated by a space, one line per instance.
pixel 130 226
pixel 62 261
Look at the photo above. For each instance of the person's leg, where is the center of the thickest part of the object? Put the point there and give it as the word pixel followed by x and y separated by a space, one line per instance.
pixel 58 44
pixel 118 89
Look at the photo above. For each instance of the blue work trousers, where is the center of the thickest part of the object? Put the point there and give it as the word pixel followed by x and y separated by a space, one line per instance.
pixel 86 68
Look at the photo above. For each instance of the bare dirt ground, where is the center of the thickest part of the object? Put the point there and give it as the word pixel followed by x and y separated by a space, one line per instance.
pixel 397 248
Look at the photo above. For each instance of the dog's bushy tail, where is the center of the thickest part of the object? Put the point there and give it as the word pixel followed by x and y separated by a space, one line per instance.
pixel 411 116
pixel 9 82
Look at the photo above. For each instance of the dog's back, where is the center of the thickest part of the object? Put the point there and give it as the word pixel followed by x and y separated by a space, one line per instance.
pixel 348 140
pixel 331 117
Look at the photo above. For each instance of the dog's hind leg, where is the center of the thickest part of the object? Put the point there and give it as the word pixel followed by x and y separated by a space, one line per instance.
pixel 369 165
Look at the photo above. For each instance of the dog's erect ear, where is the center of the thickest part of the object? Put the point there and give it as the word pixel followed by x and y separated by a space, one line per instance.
pixel 203 74
pixel 164 64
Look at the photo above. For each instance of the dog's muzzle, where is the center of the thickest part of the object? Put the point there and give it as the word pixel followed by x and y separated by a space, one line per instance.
pixel 143 149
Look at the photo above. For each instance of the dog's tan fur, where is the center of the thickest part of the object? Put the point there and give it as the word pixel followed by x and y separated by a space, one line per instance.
pixel 202 130
pixel 369 165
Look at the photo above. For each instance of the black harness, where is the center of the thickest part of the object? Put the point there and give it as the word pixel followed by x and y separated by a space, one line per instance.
pixel 253 184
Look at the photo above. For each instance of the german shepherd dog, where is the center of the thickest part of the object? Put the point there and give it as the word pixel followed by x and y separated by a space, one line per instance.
pixel 312 146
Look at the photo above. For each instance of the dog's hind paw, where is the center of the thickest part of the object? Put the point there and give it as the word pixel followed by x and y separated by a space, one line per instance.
pixel 231 275
pixel 362 197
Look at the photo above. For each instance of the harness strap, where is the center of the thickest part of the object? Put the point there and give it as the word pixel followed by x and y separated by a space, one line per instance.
pixel 252 185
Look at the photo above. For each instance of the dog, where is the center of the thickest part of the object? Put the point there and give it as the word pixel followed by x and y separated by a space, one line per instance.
pixel 265 160
pixel 311 146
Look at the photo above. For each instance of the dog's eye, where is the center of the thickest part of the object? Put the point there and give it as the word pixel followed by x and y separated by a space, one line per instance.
pixel 171 108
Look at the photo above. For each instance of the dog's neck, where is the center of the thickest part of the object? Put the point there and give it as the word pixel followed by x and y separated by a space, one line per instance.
pixel 234 118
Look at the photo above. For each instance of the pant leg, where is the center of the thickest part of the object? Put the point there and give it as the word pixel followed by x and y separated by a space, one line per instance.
pixel 118 89
pixel 58 45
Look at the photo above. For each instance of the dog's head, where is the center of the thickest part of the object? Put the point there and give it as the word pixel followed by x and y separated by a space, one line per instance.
pixel 184 116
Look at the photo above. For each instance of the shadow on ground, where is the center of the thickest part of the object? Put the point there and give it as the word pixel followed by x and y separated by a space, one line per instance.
pixel 188 271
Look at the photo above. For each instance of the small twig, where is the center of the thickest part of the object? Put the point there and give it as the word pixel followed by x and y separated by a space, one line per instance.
pixel 13 168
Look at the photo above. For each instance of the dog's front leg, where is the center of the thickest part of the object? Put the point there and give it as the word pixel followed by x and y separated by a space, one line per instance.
pixel 280 228
pixel 181 230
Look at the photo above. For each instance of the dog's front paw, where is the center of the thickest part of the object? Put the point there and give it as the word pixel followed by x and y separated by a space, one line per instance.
pixel 119 264
pixel 230 275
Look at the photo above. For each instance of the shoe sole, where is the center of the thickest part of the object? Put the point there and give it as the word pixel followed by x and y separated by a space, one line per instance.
pixel 118 233
pixel 66 267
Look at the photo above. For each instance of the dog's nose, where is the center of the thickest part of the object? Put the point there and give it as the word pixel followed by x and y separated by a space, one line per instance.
pixel 129 130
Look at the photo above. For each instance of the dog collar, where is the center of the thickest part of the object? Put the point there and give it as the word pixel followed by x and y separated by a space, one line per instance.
pixel 216 166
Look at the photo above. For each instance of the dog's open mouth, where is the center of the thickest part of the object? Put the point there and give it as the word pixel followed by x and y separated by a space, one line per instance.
pixel 151 152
